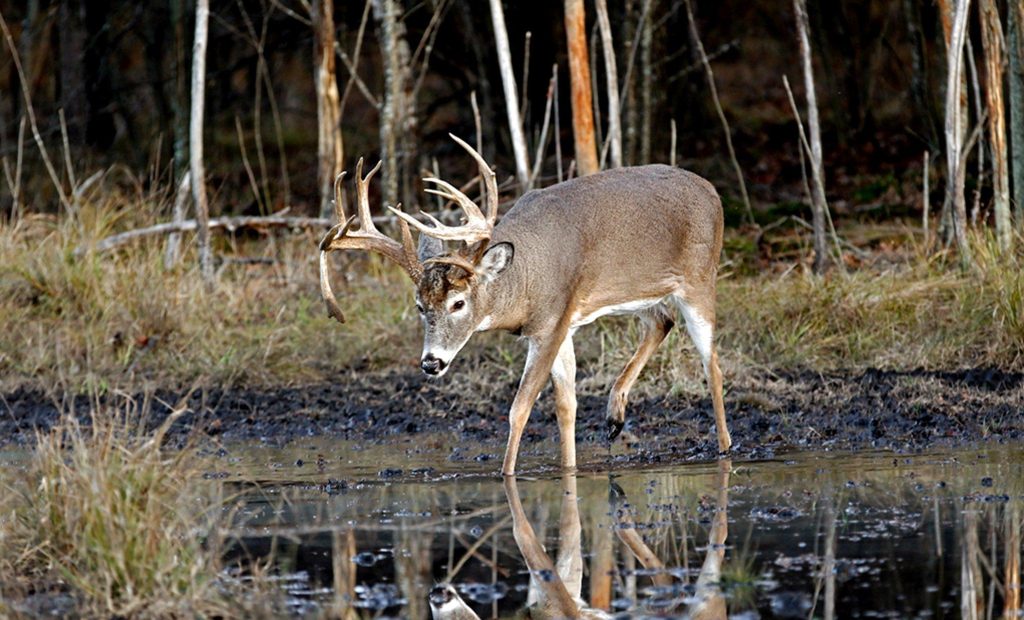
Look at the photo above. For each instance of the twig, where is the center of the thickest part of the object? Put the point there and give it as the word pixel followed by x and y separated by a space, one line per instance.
pixel 718 108
pixel 672 152
pixel 525 80
pixel 32 116
pixel 67 150
pixel 925 198
pixel 542 142
pixel 558 130
pixel 248 167
pixel 356 52
pixel 479 135
pixel 804 147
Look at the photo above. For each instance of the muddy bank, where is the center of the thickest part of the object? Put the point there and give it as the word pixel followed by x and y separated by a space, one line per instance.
pixel 907 410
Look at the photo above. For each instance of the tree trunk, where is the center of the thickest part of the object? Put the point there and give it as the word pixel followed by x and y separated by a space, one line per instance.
pixel 99 127
pixel 328 111
pixel 992 41
pixel 196 140
pixel 954 126
pixel 947 14
pixel 818 205
pixel 920 87
pixel 1016 52
pixel 579 84
pixel 614 122
pixel 508 82
pixel 180 100
pixel 632 23
pixel 397 120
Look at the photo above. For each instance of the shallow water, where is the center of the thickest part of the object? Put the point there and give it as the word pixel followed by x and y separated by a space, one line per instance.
pixel 374 529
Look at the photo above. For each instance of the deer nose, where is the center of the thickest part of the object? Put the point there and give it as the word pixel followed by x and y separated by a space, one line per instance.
pixel 431 365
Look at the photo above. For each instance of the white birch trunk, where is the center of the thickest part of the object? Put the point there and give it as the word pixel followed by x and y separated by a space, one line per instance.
pixel 195 139
pixel 955 130
pixel 508 82
pixel 818 204
pixel 612 75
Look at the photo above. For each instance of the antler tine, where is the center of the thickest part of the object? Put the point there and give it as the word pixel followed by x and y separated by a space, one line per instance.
pixel 362 194
pixel 487 174
pixel 451 192
pixel 342 237
pixel 339 209
pixel 471 232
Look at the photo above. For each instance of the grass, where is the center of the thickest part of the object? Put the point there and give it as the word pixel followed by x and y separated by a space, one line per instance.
pixel 103 509
pixel 123 320
pixel 105 522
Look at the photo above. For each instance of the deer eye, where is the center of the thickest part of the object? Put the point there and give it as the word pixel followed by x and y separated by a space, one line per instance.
pixel 459 305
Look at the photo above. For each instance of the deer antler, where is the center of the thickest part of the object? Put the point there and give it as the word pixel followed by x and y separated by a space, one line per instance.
pixel 477 226
pixel 366 237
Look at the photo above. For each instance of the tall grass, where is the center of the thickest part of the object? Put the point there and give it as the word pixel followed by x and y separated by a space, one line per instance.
pixel 98 322
pixel 122 523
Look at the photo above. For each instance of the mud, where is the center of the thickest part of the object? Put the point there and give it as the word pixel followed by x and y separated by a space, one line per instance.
pixel 901 411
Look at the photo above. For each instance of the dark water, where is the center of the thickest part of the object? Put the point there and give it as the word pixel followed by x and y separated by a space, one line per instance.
pixel 372 532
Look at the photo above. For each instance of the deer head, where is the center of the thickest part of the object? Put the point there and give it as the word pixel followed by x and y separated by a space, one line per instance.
pixel 451 287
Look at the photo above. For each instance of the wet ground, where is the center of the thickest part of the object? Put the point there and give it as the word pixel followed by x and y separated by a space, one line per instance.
pixel 767 411
pixel 385 530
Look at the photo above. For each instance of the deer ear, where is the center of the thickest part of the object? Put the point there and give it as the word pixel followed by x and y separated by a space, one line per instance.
pixel 428 248
pixel 495 260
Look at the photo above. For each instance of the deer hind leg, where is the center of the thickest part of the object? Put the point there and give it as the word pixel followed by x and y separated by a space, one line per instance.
pixel 563 379
pixel 700 323
pixel 658 323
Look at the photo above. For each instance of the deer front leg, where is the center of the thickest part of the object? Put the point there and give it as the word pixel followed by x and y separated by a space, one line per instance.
pixel 539 360
pixel 563 379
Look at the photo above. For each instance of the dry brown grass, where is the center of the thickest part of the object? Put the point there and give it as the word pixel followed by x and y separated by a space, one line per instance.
pixel 122 320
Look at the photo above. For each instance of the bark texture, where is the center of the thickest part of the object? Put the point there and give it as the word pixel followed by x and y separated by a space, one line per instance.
pixel 328 109
pixel 508 83
pixel 579 78
pixel 992 40
pixel 196 166
pixel 818 205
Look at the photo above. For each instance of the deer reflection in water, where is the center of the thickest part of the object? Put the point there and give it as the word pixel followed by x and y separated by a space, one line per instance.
pixel 555 588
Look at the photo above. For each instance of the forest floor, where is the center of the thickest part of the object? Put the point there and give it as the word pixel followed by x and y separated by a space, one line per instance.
pixel 767 411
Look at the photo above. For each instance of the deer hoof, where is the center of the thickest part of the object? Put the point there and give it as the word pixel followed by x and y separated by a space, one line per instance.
pixel 614 428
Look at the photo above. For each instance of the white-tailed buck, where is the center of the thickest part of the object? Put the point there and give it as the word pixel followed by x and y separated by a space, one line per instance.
pixel 643 240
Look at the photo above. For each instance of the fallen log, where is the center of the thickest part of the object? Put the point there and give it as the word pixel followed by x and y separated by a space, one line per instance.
pixel 229 224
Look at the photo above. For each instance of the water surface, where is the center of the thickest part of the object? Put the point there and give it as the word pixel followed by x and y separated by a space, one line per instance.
pixel 381 530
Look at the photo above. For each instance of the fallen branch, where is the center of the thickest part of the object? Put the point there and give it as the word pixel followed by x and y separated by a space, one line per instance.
pixel 230 224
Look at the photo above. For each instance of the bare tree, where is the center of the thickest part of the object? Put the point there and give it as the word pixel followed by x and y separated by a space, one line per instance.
pixel 947 15
pixel 396 117
pixel 955 120
pixel 579 84
pixel 992 41
pixel 508 82
pixel 818 204
pixel 330 145
pixel 612 75
pixel 196 139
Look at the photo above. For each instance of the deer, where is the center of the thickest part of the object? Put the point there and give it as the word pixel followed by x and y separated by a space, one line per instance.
pixel 641 241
